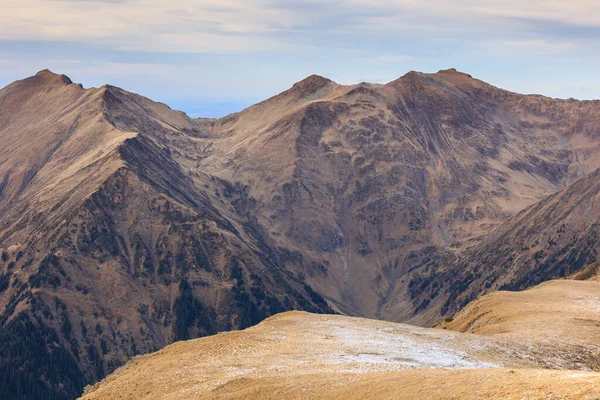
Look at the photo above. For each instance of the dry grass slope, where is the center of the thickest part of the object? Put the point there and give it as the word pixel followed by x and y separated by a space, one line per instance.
pixel 541 343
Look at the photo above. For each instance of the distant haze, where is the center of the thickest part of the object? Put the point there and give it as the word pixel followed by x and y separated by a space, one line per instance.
pixel 210 109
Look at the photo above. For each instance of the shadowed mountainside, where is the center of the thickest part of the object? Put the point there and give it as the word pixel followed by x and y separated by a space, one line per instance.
pixel 554 238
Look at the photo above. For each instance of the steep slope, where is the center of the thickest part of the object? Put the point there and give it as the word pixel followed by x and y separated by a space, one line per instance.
pixel 364 183
pixel 557 236
pixel 51 129
pixel 554 238
pixel 299 355
pixel 109 248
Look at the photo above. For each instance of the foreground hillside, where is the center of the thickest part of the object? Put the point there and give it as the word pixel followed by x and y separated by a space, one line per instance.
pixel 567 311
pixel 541 343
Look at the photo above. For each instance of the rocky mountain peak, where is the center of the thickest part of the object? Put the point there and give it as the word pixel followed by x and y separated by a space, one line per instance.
pixel 452 71
pixel 46 76
pixel 310 85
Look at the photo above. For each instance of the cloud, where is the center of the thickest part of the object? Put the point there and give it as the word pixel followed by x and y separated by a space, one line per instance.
pixel 144 24
pixel 236 26
pixel 392 58
pixel 576 12
pixel 539 45
pixel 580 12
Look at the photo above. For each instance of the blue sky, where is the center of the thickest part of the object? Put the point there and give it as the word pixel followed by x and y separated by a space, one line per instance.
pixel 210 58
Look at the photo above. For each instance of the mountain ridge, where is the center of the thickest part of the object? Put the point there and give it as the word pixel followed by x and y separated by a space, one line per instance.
pixel 125 225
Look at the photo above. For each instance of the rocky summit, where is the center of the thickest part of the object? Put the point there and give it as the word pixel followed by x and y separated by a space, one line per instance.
pixel 126 225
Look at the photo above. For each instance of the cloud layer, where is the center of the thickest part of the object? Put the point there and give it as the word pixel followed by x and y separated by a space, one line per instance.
pixel 262 25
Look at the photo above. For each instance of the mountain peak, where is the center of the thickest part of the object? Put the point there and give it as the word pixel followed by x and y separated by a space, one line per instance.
pixel 48 77
pixel 411 77
pixel 311 84
pixel 446 77
pixel 314 79
pixel 450 71
pixel 453 72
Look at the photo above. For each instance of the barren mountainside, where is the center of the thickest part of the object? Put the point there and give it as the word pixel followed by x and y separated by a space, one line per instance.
pixel 125 225
pixel 369 181
pixel 553 238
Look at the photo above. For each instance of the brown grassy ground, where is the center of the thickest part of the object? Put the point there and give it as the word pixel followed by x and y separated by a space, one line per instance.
pixel 420 384
pixel 537 344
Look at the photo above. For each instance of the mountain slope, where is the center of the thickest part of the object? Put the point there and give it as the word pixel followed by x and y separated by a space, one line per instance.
pixel 368 181
pixel 110 249
pixel 554 238
pixel 125 225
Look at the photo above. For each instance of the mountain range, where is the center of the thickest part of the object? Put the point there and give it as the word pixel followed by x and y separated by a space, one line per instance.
pixel 125 225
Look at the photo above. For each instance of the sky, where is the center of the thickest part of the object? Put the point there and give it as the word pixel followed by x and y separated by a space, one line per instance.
pixel 211 58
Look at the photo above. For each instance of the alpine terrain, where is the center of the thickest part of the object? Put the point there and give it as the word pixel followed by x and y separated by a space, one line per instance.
pixel 126 225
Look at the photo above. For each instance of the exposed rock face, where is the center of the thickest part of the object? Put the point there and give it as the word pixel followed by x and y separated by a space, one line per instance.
pixel 125 225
